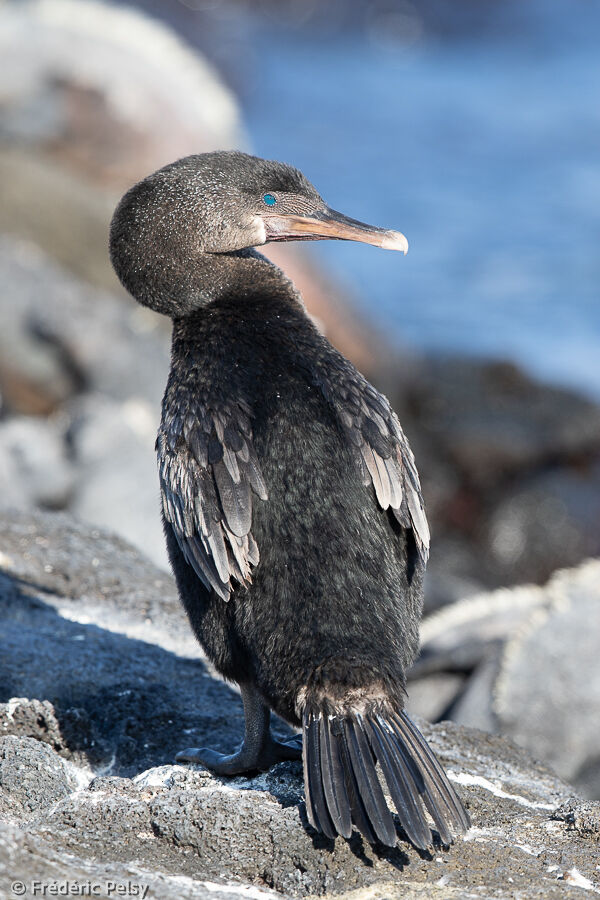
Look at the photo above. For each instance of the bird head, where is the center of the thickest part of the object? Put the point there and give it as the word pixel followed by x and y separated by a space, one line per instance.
pixel 218 203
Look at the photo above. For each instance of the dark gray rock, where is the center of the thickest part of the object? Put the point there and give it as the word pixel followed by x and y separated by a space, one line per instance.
pixel 52 563
pixel 188 822
pixel 546 523
pixel 454 569
pixel 34 718
pixel 32 777
pixel 34 862
pixel 587 777
pixel 112 703
pixel 83 614
pixel 474 706
pixel 493 420
pixel 510 470
pixel 582 816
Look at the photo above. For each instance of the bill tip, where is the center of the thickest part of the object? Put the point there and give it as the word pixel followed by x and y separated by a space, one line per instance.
pixel 395 240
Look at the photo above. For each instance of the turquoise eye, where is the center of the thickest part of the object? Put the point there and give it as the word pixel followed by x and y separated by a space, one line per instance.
pixel 269 199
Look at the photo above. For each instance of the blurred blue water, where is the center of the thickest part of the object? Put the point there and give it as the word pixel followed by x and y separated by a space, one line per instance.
pixel 485 153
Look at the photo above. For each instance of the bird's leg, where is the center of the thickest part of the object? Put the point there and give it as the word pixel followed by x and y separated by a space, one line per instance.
pixel 259 750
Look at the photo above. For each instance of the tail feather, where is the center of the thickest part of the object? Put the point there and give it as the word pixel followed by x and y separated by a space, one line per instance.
pixel 316 805
pixel 402 788
pixel 334 783
pixel 359 814
pixel 343 788
pixel 369 788
pixel 432 770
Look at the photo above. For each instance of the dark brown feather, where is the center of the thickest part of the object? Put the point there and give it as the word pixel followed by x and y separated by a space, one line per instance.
pixel 208 471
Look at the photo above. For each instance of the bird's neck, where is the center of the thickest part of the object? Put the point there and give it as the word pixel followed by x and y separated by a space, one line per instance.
pixel 246 275
pixel 183 289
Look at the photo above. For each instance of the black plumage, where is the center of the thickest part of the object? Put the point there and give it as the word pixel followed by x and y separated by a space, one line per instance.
pixel 291 503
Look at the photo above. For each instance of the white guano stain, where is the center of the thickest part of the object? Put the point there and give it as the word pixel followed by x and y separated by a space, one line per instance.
pixel 574 877
pixel 481 834
pixel 81 776
pixel 252 893
pixel 159 776
pixel 13 704
pixel 495 789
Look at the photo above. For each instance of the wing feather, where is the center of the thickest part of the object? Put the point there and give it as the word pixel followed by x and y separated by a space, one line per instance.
pixel 208 473
pixel 381 449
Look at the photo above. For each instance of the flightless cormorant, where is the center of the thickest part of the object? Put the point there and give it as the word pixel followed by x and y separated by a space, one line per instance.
pixel 291 503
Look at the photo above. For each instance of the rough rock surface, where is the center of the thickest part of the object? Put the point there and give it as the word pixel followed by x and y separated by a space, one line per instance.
pixel 522 662
pixel 102 682
pixel 31 777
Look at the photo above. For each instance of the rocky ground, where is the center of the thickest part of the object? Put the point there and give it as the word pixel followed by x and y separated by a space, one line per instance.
pixel 102 683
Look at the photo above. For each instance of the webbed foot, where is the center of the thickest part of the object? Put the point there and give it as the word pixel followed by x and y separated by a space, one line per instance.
pixel 259 751
pixel 246 760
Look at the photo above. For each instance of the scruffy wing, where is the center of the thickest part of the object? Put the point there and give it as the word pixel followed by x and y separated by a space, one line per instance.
pixel 382 451
pixel 208 473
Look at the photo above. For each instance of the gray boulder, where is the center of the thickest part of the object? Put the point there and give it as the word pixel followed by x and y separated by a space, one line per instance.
pixel 522 662
pixel 35 469
pixel 62 338
pixel 117 486
pixel 33 777
pixel 95 96
pixel 547 694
